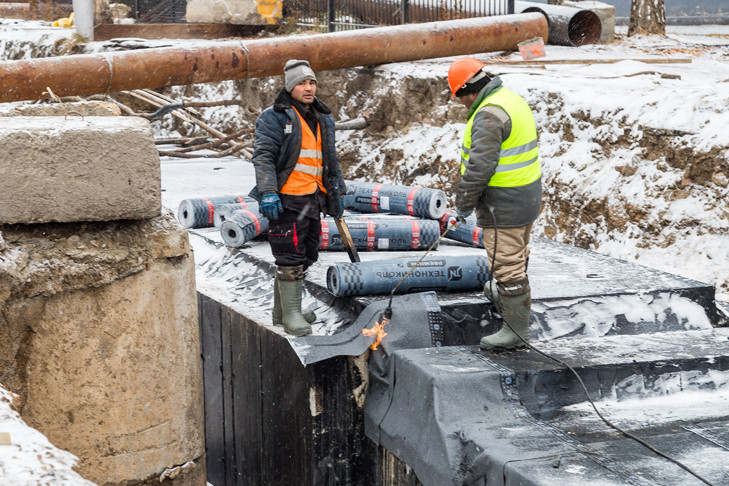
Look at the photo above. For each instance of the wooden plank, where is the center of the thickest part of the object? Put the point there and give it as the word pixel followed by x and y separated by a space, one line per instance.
pixel 541 62
pixel 340 446
pixel 104 32
pixel 228 318
pixel 286 414
pixel 395 472
pixel 210 346
pixel 246 373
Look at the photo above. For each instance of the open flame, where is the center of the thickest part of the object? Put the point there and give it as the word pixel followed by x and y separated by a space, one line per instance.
pixel 378 330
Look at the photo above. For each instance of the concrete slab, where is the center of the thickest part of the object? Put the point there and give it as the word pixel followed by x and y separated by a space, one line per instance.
pixel 73 169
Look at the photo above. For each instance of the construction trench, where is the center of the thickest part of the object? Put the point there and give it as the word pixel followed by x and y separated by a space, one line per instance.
pixel 426 407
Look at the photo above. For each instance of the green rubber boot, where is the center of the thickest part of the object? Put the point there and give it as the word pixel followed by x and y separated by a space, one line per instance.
pixel 276 312
pixel 515 311
pixel 290 286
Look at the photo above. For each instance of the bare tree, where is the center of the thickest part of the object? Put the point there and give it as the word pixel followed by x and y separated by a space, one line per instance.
pixel 647 17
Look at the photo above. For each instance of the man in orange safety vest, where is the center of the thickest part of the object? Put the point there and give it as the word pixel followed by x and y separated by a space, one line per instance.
pixel 298 177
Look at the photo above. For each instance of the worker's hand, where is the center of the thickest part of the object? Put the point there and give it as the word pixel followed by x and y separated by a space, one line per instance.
pixel 339 208
pixel 461 215
pixel 271 205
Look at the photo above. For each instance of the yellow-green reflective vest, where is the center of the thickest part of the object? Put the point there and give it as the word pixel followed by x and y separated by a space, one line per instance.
pixel 519 157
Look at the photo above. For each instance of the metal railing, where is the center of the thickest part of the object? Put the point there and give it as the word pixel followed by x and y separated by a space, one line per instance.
pixel 334 15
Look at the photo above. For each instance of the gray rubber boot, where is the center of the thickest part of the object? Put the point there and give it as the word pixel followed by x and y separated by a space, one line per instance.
pixel 276 312
pixel 290 286
pixel 515 311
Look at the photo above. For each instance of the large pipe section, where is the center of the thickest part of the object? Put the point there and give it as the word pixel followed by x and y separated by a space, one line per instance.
pixel 568 26
pixel 87 74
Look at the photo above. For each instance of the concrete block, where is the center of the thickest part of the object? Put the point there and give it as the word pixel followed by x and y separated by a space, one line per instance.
pixel 605 12
pixel 81 108
pixel 241 12
pixel 72 169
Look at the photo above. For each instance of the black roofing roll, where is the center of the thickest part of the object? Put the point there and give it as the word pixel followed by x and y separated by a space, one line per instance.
pixel 444 274
pixel 381 234
pixel 242 226
pixel 467 232
pixel 225 211
pixel 200 212
pixel 370 197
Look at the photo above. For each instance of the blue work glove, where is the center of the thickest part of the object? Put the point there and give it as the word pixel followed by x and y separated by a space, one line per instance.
pixel 461 215
pixel 271 205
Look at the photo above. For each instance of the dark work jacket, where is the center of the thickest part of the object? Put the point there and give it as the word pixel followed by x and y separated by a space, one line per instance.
pixel 278 144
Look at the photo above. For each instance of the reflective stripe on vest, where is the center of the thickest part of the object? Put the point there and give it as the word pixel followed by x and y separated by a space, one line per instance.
pixel 519 155
pixel 307 173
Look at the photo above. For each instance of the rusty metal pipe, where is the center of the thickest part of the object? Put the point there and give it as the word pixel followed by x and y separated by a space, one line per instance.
pixel 15 10
pixel 88 74
pixel 568 26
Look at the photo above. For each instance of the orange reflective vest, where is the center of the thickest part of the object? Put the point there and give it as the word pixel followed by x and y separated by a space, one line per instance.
pixel 307 173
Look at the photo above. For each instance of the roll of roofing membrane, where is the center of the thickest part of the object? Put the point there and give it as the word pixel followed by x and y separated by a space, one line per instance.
pixel 467 232
pixel 200 212
pixel 370 197
pixel 242 226
pixel 444 274
pixel 225 211
pixel 381 234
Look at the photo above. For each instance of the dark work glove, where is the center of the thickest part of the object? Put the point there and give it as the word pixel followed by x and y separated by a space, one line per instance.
pixel 339 207
pixel 271 205
pixel 462 215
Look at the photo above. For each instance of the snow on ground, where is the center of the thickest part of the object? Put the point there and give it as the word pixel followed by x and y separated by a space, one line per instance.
pixel 26 456
pixel 598 99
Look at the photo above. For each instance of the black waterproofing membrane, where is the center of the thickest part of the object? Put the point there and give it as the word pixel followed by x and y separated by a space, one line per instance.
pixel 644 343
pixel 459 416
pixel 422 308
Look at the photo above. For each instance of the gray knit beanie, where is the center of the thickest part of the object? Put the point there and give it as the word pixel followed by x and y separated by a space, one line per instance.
pixel 297 71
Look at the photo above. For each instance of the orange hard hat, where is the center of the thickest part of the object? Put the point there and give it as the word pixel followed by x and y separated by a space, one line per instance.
pixel 461 70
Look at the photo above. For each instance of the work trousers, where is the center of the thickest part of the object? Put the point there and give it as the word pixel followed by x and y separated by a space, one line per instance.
pixel 294 239
pixel 509 264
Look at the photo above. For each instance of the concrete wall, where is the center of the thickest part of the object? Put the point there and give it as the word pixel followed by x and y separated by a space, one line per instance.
pixel 98 312
pixel 101 343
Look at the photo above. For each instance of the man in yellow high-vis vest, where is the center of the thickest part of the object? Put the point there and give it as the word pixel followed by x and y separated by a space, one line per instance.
pixel 501 182
pixel 298 177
